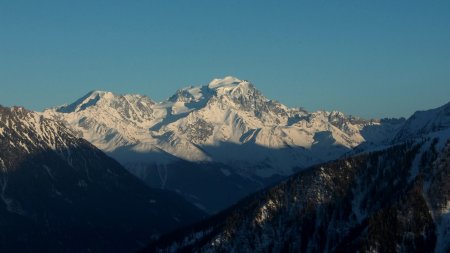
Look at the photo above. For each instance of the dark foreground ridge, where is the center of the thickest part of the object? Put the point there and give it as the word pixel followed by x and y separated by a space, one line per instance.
pixel 394 200
pixel 61 194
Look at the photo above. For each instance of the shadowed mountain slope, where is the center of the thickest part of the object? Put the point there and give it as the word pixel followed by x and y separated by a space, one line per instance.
pixel 59 193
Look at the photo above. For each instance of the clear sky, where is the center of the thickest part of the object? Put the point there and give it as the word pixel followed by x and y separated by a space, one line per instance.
pixel 366 58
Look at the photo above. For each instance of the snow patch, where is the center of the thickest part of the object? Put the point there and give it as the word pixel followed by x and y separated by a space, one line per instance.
pixel 49 172
pixel 443 230
pixel 11 205
pixel 265 211
pixel 225 172
pixel 414 171
pixel 359 193
pixel 228 81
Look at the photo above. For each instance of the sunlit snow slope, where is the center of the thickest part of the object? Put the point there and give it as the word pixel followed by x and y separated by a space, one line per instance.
pixel 227 122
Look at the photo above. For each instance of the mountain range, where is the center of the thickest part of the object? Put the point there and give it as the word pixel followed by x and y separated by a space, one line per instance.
pixel 226 132
pixel 392 199
pixel 111 173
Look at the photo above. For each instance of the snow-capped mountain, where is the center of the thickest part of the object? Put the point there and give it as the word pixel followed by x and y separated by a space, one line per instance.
pixel 227 121
pixel 59 193
pixel 392 200
pixel 423 122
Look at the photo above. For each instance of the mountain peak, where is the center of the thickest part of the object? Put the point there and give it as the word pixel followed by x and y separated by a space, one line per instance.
pixel 229 86
pixel 97 97
pixel 228 81
pixel 91 98
pixel 425 122
pixel 234 87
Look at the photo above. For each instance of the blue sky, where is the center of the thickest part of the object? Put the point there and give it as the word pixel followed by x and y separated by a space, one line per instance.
pixel 366 58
